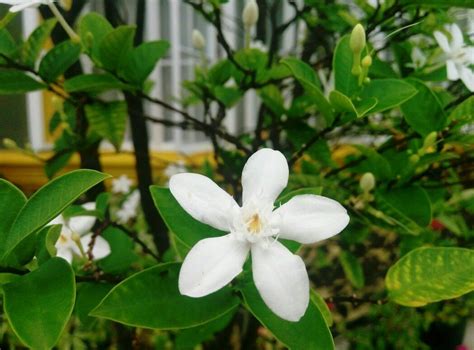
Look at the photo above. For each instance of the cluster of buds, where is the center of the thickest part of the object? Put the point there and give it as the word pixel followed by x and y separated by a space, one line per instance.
pixel 360 66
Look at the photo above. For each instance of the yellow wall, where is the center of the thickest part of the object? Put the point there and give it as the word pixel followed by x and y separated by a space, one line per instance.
pixel 28 173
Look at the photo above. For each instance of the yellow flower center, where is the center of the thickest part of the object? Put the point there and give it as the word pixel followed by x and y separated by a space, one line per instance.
pixel 254 225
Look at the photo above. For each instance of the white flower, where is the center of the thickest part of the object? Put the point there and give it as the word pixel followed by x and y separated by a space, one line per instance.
pixel 78 226
pixel 458 56
pixel 418 58
pixel 259 45
pixel 279 275
pixel 175 168
pixel 121 184
pixel 129 208
pixel 20 5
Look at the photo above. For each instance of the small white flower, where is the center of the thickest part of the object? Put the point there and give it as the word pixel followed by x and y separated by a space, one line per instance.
pixel 175 168
pixel 418 58
pixel 259 45
pixel 129 208
pixel 459 57
pixel 121 184
pixel 79 226
pixel 20 5
pixel 279 275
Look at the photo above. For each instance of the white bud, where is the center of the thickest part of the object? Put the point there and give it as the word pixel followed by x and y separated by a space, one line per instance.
pixel 367 182
pixel 198 40
pixel 250 14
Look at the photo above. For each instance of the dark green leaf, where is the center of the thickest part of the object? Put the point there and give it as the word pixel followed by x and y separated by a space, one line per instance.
pixel 352 269
pixel 94 83
pixel 47 203
pixel 36 41
pixel 187 229
pixel 388 92
pixel 423 112
pixel 310 332
pixel 345 81
pixel 108 120
pixel 17 82
pixel 115 47
pixel 39 304
pixel 58 60
pixel 142 60
pixel 93 27
pixel 151 299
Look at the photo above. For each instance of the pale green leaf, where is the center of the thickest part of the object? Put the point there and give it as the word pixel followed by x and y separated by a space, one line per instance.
pixel 427 275
pixel 108 120
pixel 58 60
pixel 36 41
pixel 17 82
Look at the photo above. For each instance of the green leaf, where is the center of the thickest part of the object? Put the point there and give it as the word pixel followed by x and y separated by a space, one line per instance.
pixel 12 200
pixel 229 96
pixel 39 304
pixel 89 295
pixel 321 304
pixel 352 269
pixel 17 82
pixel 413 202
pixel 151 299
pixel 310 332
pixel 345 81
pixel 188 230
pixel 93 27
pixel 375 163
pixel 307 78
pixel 285 197
pixel 438 3
pixel 49 201
pixel 462 114
pixel 57 162
pixel 45 242
pixel 342 103
pixel 142 60
pixel 36 41
pixel 58 60
pixel 219 73
pixel 7 43
pixel 423 112
pixel 108 120
pixel 388 92
pixel 115 47
pixel 122 253
pixel 190 337
pixel 427 275
pixel 94 83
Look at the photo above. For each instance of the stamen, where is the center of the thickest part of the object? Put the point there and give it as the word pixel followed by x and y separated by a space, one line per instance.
pixel 254 225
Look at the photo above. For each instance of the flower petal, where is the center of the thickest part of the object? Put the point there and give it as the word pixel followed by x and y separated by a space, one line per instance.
pixel 311 218
pixel 452 70
pixel 211 264
pixel 457 40
pixel 264 176
pixel 281 279
pixel 442 41
pixel 65 253
pixel 84 223
pixel 101 247
pixel 467 77
pixel 201 198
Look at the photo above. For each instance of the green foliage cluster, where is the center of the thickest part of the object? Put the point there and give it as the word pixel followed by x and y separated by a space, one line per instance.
pixel 410 239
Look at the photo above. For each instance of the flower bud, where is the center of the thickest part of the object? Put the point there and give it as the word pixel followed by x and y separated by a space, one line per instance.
pixel 430 140
pixel 75 237
pixel 65 4
pixel 198 40
pixel 414 158
pixel 357 41
pixel 250 14
pixel 367 182
pixel 9 143
pixel 366 61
